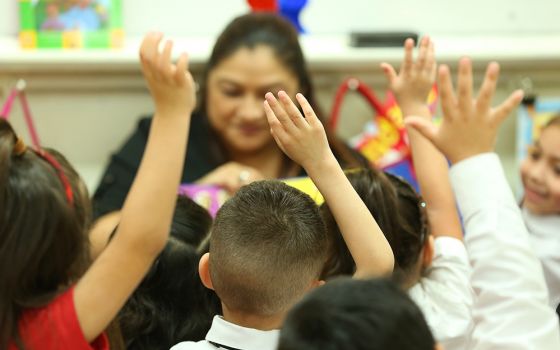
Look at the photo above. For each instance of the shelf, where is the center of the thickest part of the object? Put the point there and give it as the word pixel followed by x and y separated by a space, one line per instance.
pixel 322 53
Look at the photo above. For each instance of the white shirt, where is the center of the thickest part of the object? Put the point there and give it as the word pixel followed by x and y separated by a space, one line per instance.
pixel 545 238
pixel 444 294
pixel 511 310
pixel 233 336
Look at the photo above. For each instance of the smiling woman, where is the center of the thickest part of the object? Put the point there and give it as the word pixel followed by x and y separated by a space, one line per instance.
pixel 540 174
pixel 230 143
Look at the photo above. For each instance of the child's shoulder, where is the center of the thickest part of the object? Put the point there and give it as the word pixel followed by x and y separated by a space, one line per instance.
pixel 56 326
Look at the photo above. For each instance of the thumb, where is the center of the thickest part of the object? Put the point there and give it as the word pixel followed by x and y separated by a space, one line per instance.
pixel 389 72
pixel 425 127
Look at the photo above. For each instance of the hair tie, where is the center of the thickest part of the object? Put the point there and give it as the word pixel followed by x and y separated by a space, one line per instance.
pixel 20 147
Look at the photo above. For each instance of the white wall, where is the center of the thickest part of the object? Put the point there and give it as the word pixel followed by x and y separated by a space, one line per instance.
pixel 190 17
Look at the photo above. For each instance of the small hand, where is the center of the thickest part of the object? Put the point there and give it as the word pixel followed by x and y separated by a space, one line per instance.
pixel 172 86
pixel 469 126
pixel 231 176
pixel 415 79
pixel 303 139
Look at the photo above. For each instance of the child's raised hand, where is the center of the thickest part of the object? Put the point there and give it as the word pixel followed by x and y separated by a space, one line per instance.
pixel 415 79
pixel 303 139
pixel 171 85
pixel 469 126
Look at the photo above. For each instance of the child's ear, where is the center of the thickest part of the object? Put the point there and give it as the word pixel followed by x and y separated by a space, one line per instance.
pixel 428 252
pixel 204 271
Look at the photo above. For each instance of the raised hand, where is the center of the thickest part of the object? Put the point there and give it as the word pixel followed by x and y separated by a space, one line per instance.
pixel 414 81
pixel 469 126
pixel 303 139
pixel 171 85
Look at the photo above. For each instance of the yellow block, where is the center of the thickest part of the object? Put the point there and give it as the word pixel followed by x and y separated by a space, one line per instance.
pixel 305 185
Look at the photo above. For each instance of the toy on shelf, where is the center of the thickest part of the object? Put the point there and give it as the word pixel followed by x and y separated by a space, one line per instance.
pixel 291 9
pixel 70 24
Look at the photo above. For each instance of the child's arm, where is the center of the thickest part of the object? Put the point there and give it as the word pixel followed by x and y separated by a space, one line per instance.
pixel 507 277
pixel 148 209
pixel 304 141
pixel 411 88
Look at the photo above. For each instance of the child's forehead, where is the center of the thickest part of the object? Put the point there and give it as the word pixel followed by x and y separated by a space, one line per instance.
pixel 549 141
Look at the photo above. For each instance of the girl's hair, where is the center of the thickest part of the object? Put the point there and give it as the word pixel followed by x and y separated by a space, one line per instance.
pixel 43 231
pixel 400 214
pixel 171 304
pixel 271 30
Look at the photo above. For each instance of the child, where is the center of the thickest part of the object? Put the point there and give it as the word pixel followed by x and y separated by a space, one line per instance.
pixel 511 307
pixel 171 305
pixel 46 299
pixel 540 174
pixel 358 315
pixel 425 234
pixel 268 242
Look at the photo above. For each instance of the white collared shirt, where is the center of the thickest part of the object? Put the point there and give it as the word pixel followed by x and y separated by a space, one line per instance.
pixel 233 336
pixel 511 309
pixel 545 237
pixel 444 294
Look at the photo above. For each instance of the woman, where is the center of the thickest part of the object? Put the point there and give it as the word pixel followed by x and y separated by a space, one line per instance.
pixel 230 143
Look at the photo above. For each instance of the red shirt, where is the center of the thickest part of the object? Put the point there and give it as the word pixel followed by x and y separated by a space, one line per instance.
pixel 56 326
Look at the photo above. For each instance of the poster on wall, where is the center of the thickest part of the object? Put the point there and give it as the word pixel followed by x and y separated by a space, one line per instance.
pixel 70 24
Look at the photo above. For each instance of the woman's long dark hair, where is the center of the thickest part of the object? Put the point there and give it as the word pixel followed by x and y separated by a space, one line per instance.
pixel 43 237
pixel 171 304
pixel 254 29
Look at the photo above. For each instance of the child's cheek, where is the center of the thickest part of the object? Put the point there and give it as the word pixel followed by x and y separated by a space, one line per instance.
pixel 555 194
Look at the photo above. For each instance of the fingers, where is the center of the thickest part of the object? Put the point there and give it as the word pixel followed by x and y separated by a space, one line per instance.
pixel 423 52
pixel 389 72
pixel 503 110
pixel 408 60
pixel 292 110
pixel 430 67
pixel 484 100
pixel 149 51
pixel 164 60
pixel 465 84
pixel 310 116
pixel 423 126
pixel 180 74
pixel 275 111
pixel 448 99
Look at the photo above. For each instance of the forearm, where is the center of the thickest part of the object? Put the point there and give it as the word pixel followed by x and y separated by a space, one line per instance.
pixel 148 209
pixel 365 240
pixel 432 173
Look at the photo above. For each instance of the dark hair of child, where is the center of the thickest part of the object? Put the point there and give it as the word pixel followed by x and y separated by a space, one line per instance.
pixel 356 314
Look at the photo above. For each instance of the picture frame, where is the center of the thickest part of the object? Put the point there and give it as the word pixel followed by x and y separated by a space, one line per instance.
pixel 71 24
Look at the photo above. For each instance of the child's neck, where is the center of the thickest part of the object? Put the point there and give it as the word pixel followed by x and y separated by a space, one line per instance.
pixel 263 323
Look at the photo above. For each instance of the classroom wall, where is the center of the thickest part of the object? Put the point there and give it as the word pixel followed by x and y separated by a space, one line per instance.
pixel 190 17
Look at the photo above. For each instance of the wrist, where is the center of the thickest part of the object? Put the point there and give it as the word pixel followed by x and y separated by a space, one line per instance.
pixel 415 109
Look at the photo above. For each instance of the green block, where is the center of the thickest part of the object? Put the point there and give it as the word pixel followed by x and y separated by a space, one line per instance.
pixel 26 15
pixel 49 40
pixel 97 40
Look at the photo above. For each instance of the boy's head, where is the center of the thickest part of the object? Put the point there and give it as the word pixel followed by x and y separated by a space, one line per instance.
pixel 356 314
pixel 267 248
pixel 399 212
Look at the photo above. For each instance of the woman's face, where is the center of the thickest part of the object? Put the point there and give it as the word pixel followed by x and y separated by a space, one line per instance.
pixel 540 173
pixel 235 96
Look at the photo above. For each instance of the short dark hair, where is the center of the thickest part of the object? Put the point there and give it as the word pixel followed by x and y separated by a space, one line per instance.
pixel 267 246
pixel 171 305
pixel 399 212
pixel 358 315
